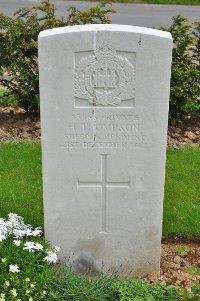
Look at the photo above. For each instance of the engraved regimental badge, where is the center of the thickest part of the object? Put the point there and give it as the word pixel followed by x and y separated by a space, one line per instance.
pixel 106 78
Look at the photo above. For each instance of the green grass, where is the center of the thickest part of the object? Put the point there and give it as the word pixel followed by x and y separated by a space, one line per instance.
pixel 21 181
pixel 74 288
pixel 21 187
pixel 182 193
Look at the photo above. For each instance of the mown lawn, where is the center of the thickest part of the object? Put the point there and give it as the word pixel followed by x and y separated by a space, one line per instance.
pixel 182 193
pixel 21 187
pixel 21 181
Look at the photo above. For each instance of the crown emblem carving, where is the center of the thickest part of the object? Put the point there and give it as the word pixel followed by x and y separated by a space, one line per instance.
pixel 105 78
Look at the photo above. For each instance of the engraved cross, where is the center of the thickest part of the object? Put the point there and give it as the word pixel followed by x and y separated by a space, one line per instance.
pixel 103 184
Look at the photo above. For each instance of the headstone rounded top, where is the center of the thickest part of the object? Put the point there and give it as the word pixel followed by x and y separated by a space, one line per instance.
pixel 105 27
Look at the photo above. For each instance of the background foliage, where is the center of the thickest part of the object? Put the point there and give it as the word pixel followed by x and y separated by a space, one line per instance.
pixel 185 76
pixel 18 55
pixel 18 46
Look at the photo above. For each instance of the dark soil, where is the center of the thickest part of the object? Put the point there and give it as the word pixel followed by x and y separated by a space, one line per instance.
pixel 178 269
pixel 184 133
pixel 16 124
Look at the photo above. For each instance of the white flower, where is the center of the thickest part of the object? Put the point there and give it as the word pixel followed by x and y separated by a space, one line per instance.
pixel 44 292
pixel 14 268
pixel 57 249
pixel 3 296
pixel 32 246
pixel 27 279
pixel 17 242
pixel 38 246
pixel 24 231
pixel 36 232
pixel 27 292
pixel 15 226
pixel 30 299
pixel 14 292
pixel 7 283
pixel 13 217
pixel 51 257
pixel 3 259
pixel 2 237
pixel 32 285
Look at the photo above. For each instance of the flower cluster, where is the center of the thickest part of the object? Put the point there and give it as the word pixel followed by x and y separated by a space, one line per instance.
pixel 24 260
pixel 32 246
pixel 16 227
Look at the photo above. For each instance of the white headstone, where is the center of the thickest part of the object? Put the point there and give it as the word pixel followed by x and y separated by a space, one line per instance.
pixel 104 93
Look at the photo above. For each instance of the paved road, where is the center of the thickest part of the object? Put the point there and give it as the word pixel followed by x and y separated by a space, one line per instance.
pixel 131 14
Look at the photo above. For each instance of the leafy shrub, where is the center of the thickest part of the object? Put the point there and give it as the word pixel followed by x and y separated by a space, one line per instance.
pixel 25 260
pixel 18 46
pixel 7 99
pixel 18 54
pixel 137 290
pixel 185 77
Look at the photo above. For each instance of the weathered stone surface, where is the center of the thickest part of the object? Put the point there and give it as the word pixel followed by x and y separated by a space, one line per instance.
pixel 104 103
